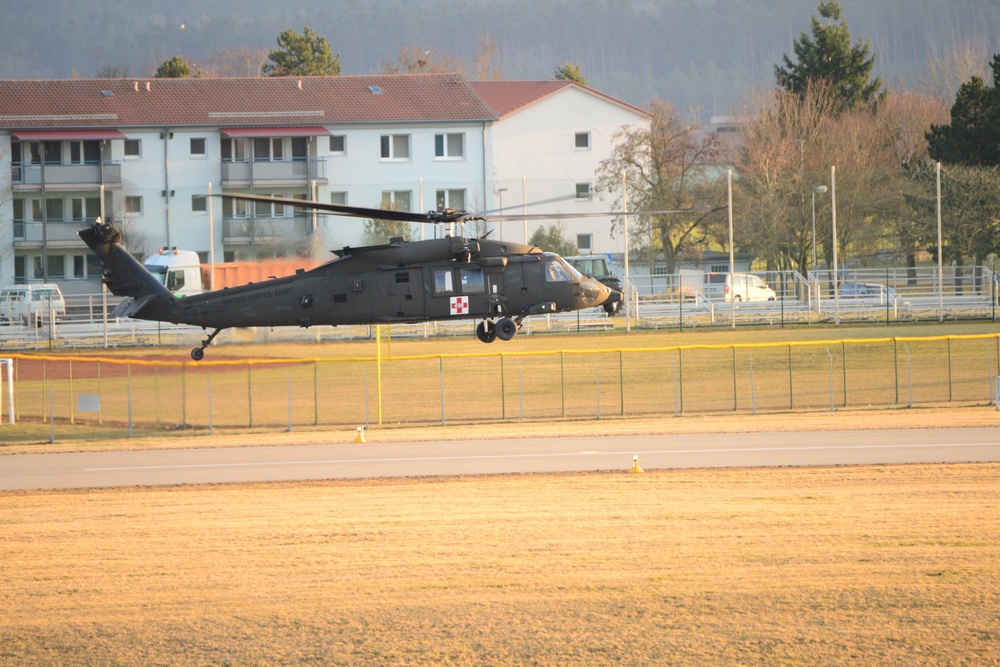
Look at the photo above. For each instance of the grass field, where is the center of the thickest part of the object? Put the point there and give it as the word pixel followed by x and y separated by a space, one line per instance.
pixel 875 565
pixel 817 566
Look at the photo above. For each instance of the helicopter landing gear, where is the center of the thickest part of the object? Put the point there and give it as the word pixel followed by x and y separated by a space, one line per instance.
pixel 198 353
pixel 505 328
pixel 486 331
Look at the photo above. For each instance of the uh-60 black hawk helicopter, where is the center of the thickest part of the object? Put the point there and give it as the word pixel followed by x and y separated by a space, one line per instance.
pixel 495 281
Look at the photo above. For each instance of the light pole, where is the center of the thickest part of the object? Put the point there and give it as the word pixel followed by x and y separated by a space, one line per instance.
pixel 820 189
pixel 500 192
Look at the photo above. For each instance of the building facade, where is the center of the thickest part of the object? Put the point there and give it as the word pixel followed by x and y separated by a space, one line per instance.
pixel 149 153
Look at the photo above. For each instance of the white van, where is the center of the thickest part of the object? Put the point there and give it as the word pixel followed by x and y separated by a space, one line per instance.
pixel 31 303
pixel 746 287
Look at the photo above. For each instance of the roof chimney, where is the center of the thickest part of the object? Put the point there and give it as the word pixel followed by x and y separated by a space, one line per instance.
pixel 300 84
pixel 147 86
pixel 136 86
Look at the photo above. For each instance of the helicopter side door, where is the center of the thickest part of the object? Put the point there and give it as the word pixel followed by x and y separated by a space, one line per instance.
pixel 406 293
pixel 457 291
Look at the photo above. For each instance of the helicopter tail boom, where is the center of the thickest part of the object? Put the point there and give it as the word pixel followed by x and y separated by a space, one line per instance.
pixel 122 273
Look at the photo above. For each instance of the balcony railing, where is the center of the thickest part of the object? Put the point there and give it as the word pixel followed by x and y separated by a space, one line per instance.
pixel 236 173
pixel 62 175
pixel 238 230
pixel 57 230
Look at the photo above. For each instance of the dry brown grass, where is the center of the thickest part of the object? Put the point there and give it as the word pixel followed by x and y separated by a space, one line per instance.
pixel 833 566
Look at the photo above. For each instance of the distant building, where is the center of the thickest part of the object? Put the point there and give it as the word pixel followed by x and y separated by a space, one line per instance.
pixel 156 148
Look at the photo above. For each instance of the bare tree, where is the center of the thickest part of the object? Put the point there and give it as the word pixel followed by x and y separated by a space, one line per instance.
pixel 668 165
pixel 243 61
pixel 483 62
pixel 411 59
pixel 949 67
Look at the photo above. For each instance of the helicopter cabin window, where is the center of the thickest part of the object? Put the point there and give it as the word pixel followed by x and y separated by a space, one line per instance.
pixel 556 271
pixel 338 144
pixel 442 281
pixel 454 199
pixel 395 147
pixel 472 280
pixel 583 141
pixel 449 146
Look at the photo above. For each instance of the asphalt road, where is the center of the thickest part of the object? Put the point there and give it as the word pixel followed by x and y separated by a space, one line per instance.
pixel 477 457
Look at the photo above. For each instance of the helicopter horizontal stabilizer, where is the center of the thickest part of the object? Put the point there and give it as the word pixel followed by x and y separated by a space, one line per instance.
pixel 131 307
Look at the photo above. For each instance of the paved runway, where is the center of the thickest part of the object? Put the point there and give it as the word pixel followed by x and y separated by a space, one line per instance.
pixel 475 457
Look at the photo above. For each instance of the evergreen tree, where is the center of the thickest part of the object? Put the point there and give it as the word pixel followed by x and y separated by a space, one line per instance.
pixel 175 68
pixel 973 136
pixel 829 56
pixel 550 239
pixel 307 54
pixel 570 72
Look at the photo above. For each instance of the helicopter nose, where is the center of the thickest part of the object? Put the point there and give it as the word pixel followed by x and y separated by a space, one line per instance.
pixel 593 293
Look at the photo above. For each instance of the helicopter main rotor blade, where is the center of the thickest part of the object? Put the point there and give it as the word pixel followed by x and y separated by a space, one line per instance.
pixel 355 211
pixel 511 217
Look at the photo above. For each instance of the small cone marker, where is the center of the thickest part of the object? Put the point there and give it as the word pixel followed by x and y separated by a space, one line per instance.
pixel 635 465
pixel 360 439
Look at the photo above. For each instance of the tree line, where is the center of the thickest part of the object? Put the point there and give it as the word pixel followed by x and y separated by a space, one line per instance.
pixel 825 110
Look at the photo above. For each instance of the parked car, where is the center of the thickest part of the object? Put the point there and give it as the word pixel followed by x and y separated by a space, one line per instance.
pixel 746 287
pixel 31 303
pixel 868 292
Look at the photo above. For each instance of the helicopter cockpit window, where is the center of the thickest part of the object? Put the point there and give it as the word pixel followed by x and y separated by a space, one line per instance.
pixel 472 280
pixel 442 281
pixel 556 271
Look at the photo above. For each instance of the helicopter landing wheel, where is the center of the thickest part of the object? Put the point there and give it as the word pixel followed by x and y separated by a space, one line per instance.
pixel 198 353
pixel 506 328
pixel 486 331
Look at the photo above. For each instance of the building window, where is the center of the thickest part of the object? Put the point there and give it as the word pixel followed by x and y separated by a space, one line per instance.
pixel 338 144
pixel 133 148
pixel 583 140
pixel 453 199
pixel 396 200
pixel 198 147
pixel 585 242
pixel 234 150
pixel 449 146
pixel 133 205
pixel 583 191
pixel 338 198
pixel 199 204
pixel 268 149
pixel 79 266
pixel 395 147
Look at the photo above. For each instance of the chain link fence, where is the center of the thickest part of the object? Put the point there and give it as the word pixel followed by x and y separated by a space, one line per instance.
pixel 163 396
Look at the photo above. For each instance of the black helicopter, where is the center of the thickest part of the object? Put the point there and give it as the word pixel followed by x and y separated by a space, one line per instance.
pixel 495 281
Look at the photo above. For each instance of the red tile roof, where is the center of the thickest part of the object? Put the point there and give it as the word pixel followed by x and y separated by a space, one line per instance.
pixel 507 97
pixel 271 101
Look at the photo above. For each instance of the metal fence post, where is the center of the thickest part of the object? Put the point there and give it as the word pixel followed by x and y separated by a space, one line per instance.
pixel 753 393
pixel 597 371
pixel 830 356
pixel 441 377
pixel 909 372
pixel 791 392
pixel 211 428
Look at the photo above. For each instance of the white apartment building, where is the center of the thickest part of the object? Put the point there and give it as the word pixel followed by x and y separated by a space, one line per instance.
pixel 147 152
